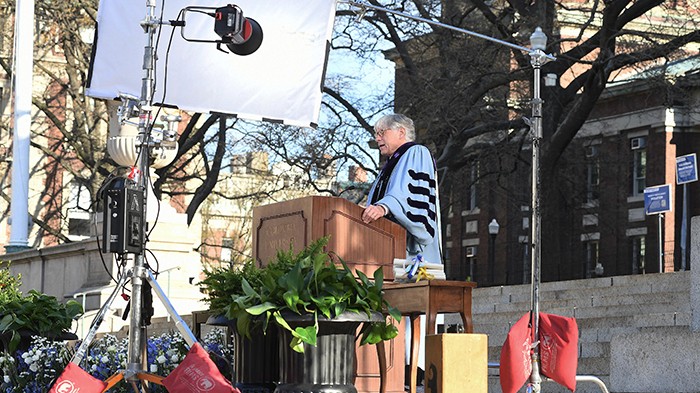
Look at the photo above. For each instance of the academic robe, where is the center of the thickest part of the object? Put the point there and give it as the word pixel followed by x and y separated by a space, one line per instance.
pixel 410 194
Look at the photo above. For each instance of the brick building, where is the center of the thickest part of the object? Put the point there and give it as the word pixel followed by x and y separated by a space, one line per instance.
pixel 599 227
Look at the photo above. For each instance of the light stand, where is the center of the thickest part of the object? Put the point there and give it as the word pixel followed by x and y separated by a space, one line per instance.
pixel 136 227
pixel 242 36
pixel 538 58
pixel 137 332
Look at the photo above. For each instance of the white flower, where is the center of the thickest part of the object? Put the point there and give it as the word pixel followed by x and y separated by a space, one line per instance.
pixel 34 367
pixel 6 378
pixel 154 368
pixel 174 358
pixel 104 359
pixel 161 359
pixel 111 348
pixel 93 368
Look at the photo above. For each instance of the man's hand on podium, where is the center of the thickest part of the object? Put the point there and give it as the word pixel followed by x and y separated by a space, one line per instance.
pixel 373 213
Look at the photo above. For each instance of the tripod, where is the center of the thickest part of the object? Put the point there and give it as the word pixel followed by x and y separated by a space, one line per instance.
pixel 133 373
pixel 134 228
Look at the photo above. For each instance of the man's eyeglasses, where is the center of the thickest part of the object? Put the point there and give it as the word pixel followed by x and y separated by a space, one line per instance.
pixel 380 133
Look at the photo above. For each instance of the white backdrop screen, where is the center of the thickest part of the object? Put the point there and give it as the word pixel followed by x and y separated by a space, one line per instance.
pixel 281 81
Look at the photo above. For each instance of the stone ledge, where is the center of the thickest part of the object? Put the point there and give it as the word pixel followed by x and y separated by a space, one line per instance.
pixel 661 360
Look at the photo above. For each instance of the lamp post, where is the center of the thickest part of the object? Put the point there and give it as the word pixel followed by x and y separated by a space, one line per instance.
pixel 493 231
pixel 538 43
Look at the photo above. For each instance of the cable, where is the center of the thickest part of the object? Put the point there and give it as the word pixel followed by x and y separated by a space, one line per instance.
pixel 167 59
pixel 157 269
pixel 160 29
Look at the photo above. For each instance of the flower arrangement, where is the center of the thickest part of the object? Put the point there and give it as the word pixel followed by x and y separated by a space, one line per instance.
pixel 34 370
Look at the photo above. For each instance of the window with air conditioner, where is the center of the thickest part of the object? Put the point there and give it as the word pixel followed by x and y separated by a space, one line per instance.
pixel 468 269
pixel 226 247
pixel 639 142
pixel 470 251
pixel 591 151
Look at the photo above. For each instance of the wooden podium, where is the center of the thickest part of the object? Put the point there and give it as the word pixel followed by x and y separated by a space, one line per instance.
pixel 299 222
pixel 364 247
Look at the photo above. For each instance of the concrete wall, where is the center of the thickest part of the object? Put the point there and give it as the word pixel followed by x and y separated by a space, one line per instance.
pixel 664 359
pixel 67 271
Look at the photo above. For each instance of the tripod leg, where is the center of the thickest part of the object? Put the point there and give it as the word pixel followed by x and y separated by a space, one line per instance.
pixel 113 380
pixel 97 321
pixel 179 323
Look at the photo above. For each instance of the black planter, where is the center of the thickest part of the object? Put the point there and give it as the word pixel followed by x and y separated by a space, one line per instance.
pixel 25 338
pixel 328 367
pixel 255 360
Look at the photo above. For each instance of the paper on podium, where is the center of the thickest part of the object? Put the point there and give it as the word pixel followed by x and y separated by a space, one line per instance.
pixel 402 269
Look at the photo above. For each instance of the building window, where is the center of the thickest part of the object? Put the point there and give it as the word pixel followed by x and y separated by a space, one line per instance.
pixel 527 261
pixel 592 174
pixel 638 254
pixel 590 257
pixel 468 269
pixel 639 165
pixel 472 177
pixel 79 203
pixel 226 247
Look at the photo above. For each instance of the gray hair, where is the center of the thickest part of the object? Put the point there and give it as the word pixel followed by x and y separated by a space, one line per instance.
pixel 397 120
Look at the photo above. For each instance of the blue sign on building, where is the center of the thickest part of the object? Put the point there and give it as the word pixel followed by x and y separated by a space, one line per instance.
pixel 657 199
pixel 686 169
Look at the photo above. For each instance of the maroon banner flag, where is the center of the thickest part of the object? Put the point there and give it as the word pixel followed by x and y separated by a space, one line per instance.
pixel 559 349
pixel 197 374
pixel 516 363
pixel 74 379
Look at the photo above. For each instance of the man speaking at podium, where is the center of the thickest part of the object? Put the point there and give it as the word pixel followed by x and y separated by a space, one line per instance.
pixel 406 189
pixel 406 192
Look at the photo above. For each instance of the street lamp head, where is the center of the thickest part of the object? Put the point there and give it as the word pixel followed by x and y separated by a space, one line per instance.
pixel 538 40
pixel 494 227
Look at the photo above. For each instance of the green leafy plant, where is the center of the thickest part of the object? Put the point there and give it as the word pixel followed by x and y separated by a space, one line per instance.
pixel 307 283
pixel 9 284
pixel 37 313
pixel 221 283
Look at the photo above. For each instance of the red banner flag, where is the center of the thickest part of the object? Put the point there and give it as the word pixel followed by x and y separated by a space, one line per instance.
pixel 74 379
pixel 516 363
pixel 197 374
pixel 559 349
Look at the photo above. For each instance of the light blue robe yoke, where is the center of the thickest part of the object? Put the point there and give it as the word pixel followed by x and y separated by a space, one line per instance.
pixel 411 196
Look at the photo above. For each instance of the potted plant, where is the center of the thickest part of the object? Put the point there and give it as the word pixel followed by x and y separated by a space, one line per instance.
pixel 33 314
pixel 315 303
pixel 255 355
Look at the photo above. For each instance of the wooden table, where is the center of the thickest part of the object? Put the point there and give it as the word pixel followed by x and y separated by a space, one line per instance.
pixel 430 298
